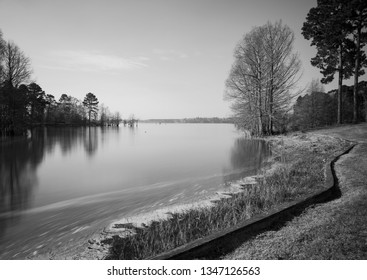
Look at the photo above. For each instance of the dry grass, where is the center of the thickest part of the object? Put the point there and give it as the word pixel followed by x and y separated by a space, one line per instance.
pixel 334 230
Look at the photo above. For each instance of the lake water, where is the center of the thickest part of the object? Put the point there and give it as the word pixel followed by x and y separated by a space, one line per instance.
pixel 61 184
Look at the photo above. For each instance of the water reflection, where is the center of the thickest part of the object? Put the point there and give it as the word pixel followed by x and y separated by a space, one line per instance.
pixel 18 163
pixel 246 158
pixel 20 158
pixel 248 153
pixel 91 140
pixel 120 168
pixel 66 138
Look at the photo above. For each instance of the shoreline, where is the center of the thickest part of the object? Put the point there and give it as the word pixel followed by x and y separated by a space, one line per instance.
pixel 93 248
pixel 287 159
pixel 88 243
pixel 96 247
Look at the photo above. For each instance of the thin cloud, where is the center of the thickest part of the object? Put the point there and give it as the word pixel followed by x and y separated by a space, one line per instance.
pixel 170 54
pixel 94 61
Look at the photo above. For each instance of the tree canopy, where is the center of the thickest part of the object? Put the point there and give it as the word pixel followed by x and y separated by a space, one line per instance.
pixel 334 27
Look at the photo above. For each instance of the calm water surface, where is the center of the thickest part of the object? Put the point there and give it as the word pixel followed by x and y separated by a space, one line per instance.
pixel 60 184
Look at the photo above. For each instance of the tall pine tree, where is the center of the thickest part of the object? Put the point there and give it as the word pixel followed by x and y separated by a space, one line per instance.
pixel 327 27
pixel 357 21
pixel 91 103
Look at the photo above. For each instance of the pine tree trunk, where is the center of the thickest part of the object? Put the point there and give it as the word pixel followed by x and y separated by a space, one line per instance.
pixel 355 89
pixel 340 85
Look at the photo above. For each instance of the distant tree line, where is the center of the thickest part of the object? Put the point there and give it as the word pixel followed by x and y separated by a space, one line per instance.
pixel 24 104
pixel 207 120
pixel 262 84
pixel 191 120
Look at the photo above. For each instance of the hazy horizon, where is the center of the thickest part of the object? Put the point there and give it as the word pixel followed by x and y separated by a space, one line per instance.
pixel 154 59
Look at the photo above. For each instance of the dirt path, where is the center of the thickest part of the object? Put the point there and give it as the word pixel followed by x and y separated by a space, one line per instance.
pixel 333 230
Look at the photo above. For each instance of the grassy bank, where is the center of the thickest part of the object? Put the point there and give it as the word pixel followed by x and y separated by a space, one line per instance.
pixel 333 230
pixel 297 170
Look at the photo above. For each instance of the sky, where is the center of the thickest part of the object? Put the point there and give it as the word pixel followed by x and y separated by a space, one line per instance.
pixel 150 58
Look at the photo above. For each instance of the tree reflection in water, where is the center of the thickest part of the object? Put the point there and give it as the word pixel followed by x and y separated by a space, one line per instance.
pixel 247 155
pixel 20 158
pixel 248 152
pixel 90 140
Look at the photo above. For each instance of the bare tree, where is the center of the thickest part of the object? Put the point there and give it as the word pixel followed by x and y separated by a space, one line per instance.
pixel 245 81
pixel 104 114
pixel 262 78
pixel 17 66
pixel 314 89
pixel 116 119
pixel 132 120
pixel 283 67
pixel 2 51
